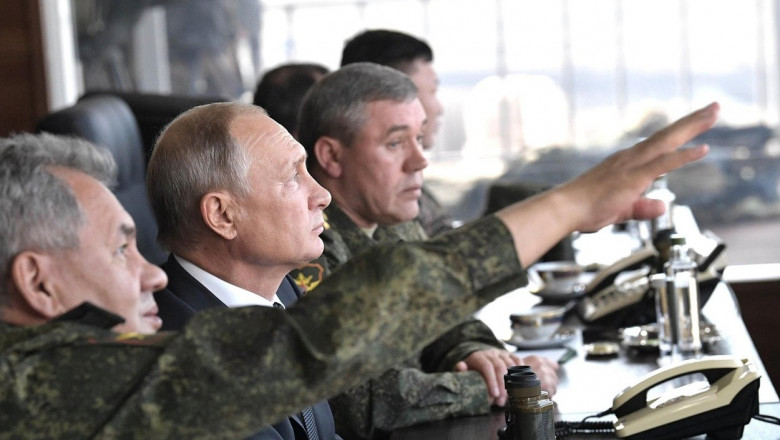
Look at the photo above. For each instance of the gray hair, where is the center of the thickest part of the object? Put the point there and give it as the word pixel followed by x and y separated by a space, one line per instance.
pixel 335 106
pixel 38 211
pixel 193 155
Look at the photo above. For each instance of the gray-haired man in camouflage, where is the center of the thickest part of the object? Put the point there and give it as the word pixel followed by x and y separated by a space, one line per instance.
pixel 362 127
pixel 66 373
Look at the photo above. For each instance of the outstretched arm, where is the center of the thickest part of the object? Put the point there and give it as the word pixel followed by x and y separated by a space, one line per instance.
pixel 608 193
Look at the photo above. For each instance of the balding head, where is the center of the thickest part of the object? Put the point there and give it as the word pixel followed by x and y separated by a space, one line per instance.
pixel 195 154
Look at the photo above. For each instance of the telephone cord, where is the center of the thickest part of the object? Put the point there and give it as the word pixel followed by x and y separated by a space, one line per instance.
pixel 583 427
pixel 767 418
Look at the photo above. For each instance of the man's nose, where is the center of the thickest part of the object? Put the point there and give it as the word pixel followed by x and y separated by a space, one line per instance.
pixel 321 197
pixel 416 160
pixel 153 278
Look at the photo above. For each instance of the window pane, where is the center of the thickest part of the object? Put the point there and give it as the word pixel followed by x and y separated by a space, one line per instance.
pixel 533 91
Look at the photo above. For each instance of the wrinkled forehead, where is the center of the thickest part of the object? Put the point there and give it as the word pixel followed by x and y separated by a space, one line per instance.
pixel 77 181
pixel 100 207
pixel 254 129
pixel 392 112
pixel 265 140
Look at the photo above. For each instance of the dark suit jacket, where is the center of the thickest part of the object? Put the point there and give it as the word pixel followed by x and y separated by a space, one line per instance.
pixel 185 296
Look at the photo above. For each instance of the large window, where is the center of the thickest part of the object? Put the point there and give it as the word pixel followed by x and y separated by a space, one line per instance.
pixel 533 91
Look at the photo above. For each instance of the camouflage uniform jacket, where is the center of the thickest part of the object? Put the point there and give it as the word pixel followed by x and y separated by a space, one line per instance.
pixel 433 217
pixel 230 372
pixel 420 389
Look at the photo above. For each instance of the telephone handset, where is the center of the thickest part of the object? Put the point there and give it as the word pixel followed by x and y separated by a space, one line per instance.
pixel 721 407
pixel 606 277
pixel 603 296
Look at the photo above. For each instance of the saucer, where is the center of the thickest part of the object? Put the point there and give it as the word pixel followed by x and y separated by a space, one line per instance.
pixel 563 336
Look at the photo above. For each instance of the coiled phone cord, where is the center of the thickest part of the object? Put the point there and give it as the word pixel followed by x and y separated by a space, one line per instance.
pixel 583 427
pixel 566 428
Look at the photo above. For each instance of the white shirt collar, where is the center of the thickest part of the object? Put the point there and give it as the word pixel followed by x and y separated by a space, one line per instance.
pixel 232 296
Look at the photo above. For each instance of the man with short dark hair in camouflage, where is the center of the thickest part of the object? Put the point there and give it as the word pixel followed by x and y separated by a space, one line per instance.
pixel 65 241
pixel 362 127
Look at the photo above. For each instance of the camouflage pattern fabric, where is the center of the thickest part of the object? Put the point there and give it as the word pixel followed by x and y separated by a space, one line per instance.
pixel 433 217
pixel 232 371
pixel 344 240
pixel 420 389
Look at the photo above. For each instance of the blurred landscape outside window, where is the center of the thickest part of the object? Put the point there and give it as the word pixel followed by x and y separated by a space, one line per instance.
pixel 534 92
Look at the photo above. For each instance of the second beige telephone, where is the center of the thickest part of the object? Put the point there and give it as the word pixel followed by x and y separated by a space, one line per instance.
pixel 719 407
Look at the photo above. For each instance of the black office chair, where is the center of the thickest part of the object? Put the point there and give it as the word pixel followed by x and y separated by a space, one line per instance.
pixel 107 121
pixel 154 111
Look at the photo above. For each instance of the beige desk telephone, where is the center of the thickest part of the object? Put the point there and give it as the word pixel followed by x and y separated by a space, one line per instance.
pixel 625 283
pixel 719 407
pixel 605 296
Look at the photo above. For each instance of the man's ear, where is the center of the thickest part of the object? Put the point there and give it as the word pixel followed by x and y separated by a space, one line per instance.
pixel 31 274
pixel 218 211
pixel 329 153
